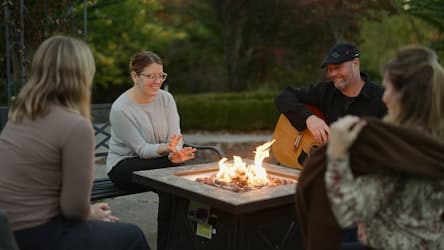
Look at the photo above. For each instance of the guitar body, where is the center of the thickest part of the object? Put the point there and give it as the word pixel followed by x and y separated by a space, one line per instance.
pixel 292 147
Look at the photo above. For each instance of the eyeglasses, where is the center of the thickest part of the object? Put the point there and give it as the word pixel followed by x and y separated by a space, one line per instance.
pixel 154 77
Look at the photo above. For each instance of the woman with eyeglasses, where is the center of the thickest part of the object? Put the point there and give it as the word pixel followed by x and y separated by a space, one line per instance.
pixel 47 158
pixel 145 132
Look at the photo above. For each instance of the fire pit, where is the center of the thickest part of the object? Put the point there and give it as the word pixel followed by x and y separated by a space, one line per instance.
pixel 240 184
pixel 210 217
pixel 242 177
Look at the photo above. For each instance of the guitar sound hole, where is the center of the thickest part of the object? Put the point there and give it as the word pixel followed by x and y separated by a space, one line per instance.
pixel 312 149
pixel 302 157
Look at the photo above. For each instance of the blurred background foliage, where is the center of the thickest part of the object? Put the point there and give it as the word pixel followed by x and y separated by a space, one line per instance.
pixel 232 111
pixel 216 46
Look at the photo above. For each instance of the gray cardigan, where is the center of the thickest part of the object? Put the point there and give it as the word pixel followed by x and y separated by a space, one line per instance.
pixel 139 129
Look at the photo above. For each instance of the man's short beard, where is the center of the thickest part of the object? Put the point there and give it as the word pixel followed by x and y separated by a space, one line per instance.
pixel 341 85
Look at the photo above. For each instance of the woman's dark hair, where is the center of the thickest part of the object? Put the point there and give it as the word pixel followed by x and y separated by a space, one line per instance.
pixel 142 59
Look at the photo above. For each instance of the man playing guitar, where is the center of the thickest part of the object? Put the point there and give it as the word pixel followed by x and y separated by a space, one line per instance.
pixel 347 91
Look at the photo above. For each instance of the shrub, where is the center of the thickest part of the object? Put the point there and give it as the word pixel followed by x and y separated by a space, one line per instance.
pixel 242 112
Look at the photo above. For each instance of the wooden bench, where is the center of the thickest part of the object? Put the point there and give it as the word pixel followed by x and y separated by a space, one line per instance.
pixel 103 187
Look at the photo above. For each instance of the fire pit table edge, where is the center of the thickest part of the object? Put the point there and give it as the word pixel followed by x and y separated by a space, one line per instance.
pixel 169 180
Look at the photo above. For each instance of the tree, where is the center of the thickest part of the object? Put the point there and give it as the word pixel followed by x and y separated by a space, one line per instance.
pixel 430 11
pixel 119 29
pixel 196 62
pixel 26 25
pixel 271 38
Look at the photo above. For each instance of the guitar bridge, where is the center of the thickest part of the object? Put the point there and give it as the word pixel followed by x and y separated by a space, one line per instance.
pixel 297 141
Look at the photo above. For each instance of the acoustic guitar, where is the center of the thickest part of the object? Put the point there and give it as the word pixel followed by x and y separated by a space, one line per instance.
pixel 292 147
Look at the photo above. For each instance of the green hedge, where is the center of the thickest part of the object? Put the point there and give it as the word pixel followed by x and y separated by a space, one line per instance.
pixel 242 112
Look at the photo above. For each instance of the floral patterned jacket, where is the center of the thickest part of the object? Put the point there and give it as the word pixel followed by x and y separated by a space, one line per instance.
pixel 391 212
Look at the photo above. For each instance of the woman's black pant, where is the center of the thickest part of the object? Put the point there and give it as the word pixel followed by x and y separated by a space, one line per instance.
pixel 60 233
pixel 121 175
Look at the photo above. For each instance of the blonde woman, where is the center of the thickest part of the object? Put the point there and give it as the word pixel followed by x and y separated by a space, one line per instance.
pixel 47 158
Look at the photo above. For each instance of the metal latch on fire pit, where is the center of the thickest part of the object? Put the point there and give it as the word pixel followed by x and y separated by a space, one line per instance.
pixel 205 221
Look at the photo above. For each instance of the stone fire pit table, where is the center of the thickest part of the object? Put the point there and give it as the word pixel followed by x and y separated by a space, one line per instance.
pixel 210 218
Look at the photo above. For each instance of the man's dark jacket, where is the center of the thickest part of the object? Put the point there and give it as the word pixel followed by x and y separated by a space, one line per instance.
pixel 330 101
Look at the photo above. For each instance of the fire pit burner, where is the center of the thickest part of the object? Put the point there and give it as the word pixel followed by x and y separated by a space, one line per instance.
pixel 240 176
pixel 240 184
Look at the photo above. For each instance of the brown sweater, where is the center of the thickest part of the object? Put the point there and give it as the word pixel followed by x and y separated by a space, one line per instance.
pixel 380 147
pixel 46 168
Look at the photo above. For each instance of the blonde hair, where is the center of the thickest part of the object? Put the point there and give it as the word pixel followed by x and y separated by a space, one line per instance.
pixel 62 71
pixel 417 76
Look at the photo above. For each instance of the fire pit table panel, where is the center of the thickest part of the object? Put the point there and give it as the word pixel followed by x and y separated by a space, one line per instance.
pixel 270 229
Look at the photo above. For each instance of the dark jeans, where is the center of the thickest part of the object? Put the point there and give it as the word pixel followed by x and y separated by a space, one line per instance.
pixel 121 175
pixel 60 233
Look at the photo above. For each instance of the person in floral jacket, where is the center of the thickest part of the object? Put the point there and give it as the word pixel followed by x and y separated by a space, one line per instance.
pixel 393 210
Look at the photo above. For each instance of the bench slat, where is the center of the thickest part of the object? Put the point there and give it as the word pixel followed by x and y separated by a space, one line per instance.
pixel 104 188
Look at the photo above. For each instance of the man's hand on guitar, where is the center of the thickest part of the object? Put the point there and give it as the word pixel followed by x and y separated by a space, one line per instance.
pixel 318 128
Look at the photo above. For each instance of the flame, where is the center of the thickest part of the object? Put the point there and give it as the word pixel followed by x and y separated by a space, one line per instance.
pixel 254 175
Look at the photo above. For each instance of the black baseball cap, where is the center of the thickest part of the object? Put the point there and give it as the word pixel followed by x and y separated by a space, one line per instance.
pixel 341 52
